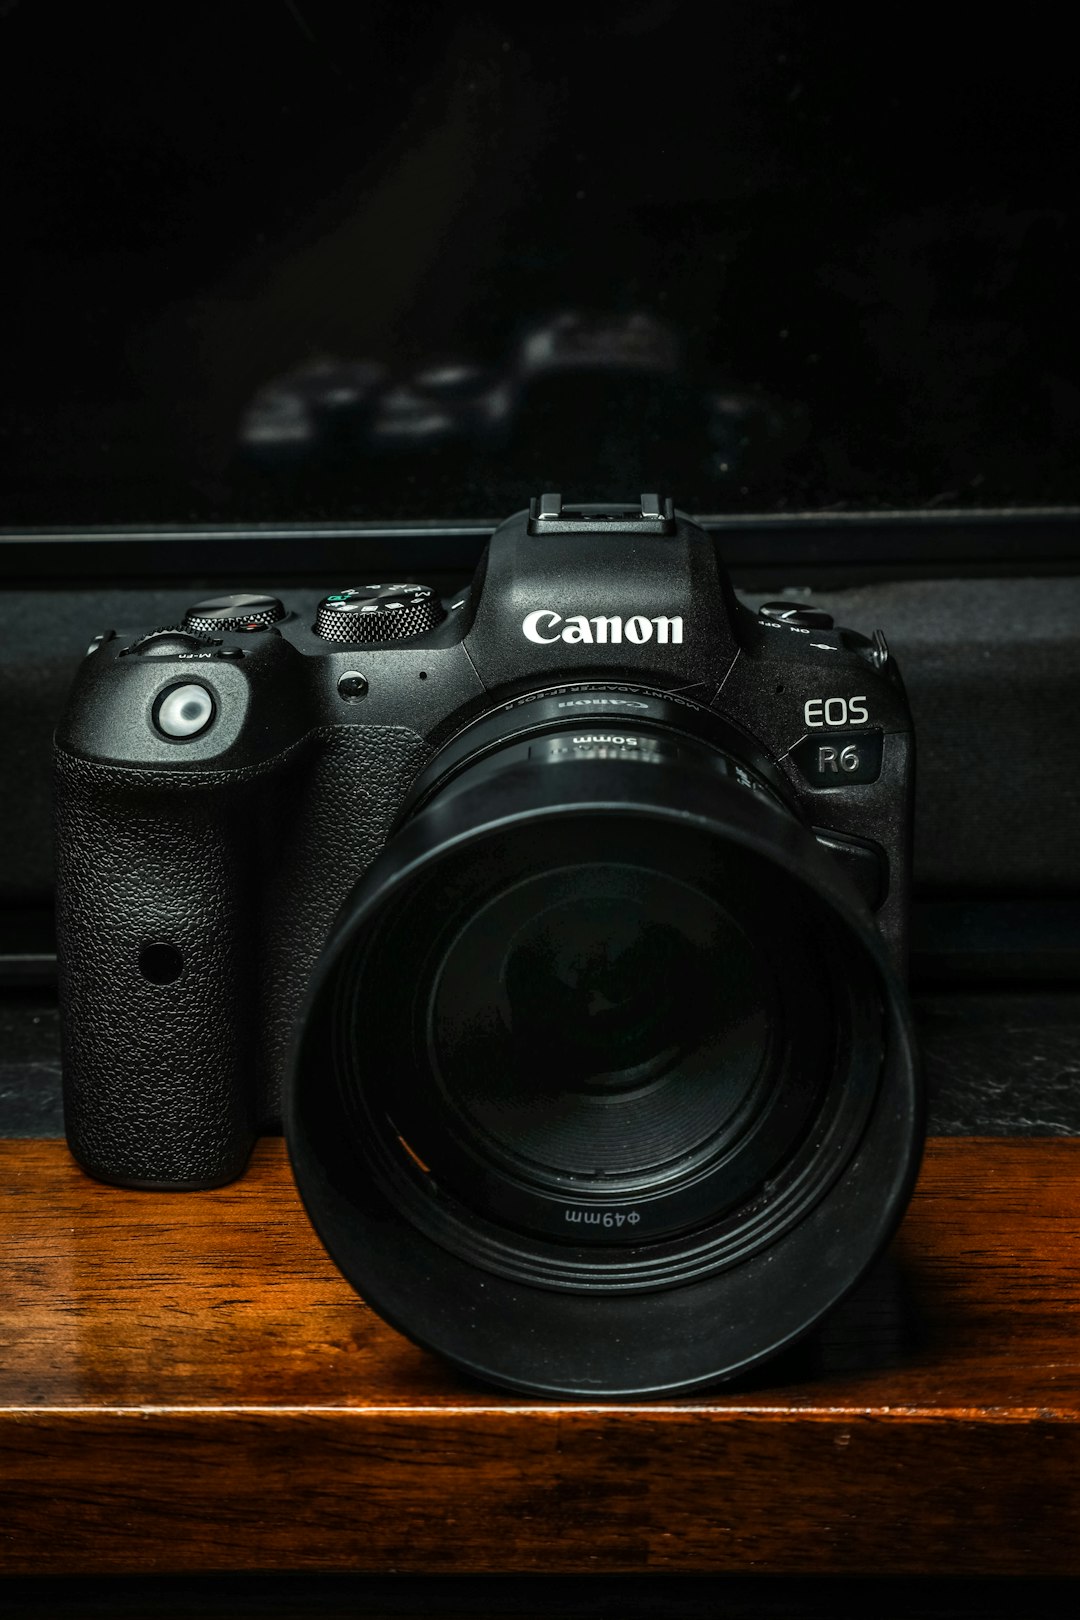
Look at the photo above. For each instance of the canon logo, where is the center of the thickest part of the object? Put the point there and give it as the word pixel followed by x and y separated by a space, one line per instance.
pixel 604 629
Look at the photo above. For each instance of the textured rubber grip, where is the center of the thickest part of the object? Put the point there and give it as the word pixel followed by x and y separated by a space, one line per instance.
pixel 322 825
pixel 157 999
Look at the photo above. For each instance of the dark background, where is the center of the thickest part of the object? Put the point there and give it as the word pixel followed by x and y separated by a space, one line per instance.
pixel 853 230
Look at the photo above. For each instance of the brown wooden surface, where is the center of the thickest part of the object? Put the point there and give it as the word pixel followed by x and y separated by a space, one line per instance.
pixel 187 1384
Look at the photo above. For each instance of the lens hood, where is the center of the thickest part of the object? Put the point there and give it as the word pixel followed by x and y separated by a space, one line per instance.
pixel 645 1314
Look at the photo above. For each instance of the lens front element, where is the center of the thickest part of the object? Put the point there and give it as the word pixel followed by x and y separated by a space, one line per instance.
pixel 599 1022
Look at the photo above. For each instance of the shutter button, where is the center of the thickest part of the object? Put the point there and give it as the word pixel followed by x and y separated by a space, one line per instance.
pixel 184 711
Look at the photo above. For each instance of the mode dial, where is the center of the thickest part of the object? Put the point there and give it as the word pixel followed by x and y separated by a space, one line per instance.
pixel 379 613
pixel 239 612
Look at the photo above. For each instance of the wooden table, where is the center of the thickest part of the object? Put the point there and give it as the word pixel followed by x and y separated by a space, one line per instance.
pixel 186 1384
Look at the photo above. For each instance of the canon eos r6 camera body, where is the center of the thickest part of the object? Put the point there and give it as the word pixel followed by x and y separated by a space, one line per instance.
pixel 562 922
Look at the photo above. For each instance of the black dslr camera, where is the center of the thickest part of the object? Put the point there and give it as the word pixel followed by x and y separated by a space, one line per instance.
pixel 562 923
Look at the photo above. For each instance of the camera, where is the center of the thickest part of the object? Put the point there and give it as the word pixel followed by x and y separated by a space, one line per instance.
pixel 561 923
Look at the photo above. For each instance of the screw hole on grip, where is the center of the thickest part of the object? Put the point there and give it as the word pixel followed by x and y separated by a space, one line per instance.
pixel 161 964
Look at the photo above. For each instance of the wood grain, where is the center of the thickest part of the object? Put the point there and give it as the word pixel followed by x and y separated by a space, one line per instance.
pixel 186 1384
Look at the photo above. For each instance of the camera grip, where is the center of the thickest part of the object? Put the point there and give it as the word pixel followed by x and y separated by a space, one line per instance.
pixel 155 974
pixel 329 819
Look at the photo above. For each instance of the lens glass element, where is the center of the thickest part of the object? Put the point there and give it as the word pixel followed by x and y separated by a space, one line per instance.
pixel 602 1021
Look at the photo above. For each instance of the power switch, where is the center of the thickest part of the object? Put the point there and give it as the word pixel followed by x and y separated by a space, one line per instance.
pixel 801 615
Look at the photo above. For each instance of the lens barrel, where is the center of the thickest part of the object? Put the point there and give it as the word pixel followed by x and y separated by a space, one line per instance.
pixel 605 1084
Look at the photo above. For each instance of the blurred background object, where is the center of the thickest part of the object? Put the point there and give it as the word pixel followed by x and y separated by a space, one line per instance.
pixel 575 400
pixel 302 259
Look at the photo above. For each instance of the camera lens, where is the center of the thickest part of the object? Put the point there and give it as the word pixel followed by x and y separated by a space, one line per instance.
pixel 601 1021
pixel 604 1084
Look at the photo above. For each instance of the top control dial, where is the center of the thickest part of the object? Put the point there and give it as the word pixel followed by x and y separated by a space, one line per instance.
pixel 379 613
pixel 239 612
pixel 169 641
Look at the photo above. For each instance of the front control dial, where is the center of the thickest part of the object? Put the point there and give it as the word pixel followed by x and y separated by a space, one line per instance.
pixel 241 611
pixel 169 641
pixel 379 613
